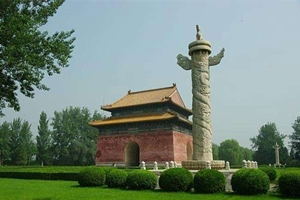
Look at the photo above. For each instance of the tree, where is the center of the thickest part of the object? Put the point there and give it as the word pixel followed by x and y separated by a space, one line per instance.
pixel 4 142
pixel 73 140
pixel 230 150
pixel 15 143
pixel 27 142
pixel 26 52
pixel 21 143
pixel 247 153
pixel 264 142
pixel 295 139
pixel 215 150
pixel 43 140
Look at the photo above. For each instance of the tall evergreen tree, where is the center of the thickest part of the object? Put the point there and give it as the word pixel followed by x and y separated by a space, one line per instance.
pixel 15 141
pixel 43 140
pixel 4 142
pixel 21 143
pixel 27 142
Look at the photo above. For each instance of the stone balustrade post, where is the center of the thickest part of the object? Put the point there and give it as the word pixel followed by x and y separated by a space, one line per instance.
pixel 244 164
pixel 172 164
pixel 248 164
pixel 227 165
pixel 143 165
pixel 208 165
pixel 155 166
pixel 167 165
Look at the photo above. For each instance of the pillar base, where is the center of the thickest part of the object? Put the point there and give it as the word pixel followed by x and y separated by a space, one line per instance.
pixel 201 164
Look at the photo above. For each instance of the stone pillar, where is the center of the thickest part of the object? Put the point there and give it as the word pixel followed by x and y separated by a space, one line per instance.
pixel 199 51
pixel 277 147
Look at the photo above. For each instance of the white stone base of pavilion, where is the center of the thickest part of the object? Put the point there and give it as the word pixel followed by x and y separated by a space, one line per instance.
pixel 200 164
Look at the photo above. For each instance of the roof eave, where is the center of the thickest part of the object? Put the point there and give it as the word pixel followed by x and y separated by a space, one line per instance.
pixel 106 108
pixel 112 124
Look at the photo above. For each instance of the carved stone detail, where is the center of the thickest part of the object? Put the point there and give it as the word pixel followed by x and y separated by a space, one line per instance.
pixel 199 65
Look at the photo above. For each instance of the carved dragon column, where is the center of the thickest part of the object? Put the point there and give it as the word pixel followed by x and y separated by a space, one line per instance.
pixel 199 51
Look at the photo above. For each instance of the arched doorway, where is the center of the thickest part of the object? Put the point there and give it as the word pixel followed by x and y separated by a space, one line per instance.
pixel 132 154
pixel 189 151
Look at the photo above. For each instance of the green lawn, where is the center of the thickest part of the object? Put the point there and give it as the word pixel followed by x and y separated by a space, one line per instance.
pixel 14 189
pixel 52 190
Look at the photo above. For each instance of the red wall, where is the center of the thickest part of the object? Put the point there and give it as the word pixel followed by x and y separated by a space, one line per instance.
pixel 160 146
pixel 156 146
pixel 180 146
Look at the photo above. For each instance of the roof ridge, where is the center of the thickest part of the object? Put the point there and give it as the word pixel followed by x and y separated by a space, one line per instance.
pixel 154 89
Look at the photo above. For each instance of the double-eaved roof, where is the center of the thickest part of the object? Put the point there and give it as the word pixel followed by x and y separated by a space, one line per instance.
pixel 146 97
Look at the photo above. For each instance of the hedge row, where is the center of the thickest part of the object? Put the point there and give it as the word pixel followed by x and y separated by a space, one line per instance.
pixel 134 180
pixel 64 176
pixel 40 175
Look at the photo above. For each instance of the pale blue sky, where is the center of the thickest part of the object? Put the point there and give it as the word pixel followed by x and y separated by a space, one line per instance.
pixel 132 45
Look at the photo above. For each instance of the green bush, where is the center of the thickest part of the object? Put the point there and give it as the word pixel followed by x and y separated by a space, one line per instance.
pixel 209 181
pixel 294 163
pixel 107 170
pixel 250 182
pixel 91 176
pixel 176 179
pixel 116 178
pixel 289 184
pixel 270 171
pixel 141 180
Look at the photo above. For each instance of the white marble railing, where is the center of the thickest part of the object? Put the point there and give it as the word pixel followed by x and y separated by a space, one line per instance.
pixel 250 164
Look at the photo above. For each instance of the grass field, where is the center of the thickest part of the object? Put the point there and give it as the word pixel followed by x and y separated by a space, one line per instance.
pixel 12 189
pixel 17 189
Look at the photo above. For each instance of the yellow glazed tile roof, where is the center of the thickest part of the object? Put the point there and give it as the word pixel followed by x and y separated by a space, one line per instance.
pixel 143 97
pixel 136 118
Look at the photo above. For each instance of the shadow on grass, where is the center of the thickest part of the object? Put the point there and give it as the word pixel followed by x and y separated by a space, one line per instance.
pixel 78 186
pixel 280 196
pixel 167 192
